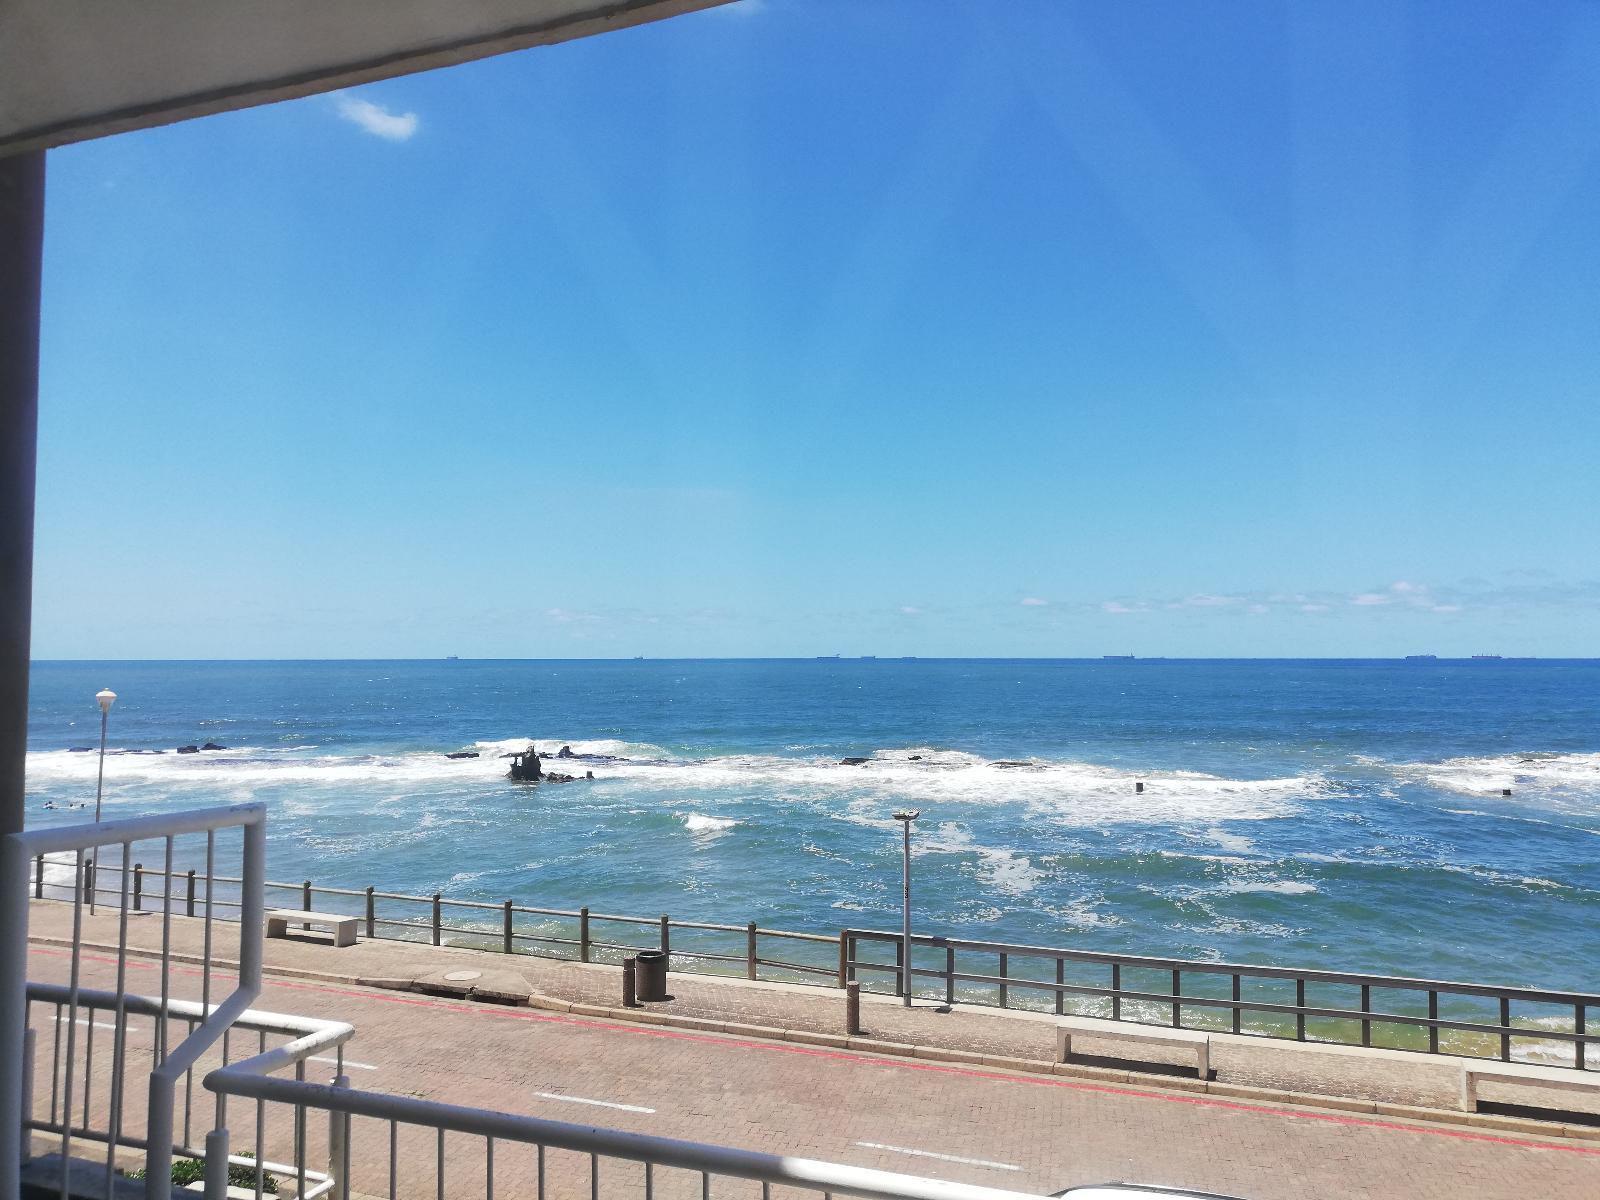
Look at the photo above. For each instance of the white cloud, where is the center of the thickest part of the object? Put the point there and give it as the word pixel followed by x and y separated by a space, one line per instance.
pixel 1313 608
pixel 1033 602
pixel 1116 606
pixel 1402 588
pixel 1369 599
pixel 375 119
pixel 1446 608
pixel 565 616
pixel 1257 610
pixel 910 610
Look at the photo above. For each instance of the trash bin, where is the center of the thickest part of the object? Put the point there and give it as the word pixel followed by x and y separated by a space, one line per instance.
pixel 651 974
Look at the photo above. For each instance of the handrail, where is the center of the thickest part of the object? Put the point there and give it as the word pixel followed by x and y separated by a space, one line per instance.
pixel 249 1078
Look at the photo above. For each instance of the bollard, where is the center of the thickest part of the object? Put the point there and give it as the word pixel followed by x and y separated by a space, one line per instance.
pixel 508 928
pixel 852 1008
pixel 1138 789
pixel 436 918
pixel 630 982
pixel 750 950
pixel 138 885
pixel 189 899
pixel 305 900
pixel 372 914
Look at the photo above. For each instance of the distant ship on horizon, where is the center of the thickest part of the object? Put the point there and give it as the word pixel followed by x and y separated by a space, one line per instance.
pixel 1486 656
pixel 1421 657
pixel 1117 657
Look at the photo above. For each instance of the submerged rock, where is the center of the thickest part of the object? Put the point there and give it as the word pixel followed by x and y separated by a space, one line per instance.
pixel 189 749
pixel 463 754
pixel 852 762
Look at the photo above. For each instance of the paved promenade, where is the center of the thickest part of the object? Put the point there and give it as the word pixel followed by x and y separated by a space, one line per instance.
pixel 972 1122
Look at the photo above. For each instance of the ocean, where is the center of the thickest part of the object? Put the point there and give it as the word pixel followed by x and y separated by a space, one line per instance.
pixel 1339 814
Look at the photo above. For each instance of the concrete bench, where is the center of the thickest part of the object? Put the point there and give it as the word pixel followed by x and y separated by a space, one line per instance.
pixel 344 928
pixel 1522 1075
pixel 1128 1031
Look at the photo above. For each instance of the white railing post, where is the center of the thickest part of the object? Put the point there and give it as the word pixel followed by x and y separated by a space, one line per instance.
pixel 216 1164
pixel 13 1007
pixel 338 1146
pixel 25 1150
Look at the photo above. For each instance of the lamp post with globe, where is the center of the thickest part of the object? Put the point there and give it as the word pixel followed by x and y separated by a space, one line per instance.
pixel 105 698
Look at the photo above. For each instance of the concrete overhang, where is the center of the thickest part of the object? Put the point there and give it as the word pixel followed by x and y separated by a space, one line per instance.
pixel 77 69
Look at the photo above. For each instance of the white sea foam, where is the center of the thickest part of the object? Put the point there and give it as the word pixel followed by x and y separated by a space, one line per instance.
pixel 1281 887
pixel 706 828
pixel 1570 780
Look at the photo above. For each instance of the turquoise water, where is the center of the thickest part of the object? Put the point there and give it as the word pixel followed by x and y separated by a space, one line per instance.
pixel 1328 813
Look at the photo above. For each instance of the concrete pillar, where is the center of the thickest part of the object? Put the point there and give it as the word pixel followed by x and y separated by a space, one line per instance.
pixel 21 252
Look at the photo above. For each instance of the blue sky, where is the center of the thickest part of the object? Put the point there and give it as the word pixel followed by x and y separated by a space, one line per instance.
pixel 800 328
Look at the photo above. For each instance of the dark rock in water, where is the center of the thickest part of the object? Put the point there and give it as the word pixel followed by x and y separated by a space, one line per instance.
pixel 554 778
pixel 509 754
pixel 851 762
pixel 565 752
pixel 212 746
pixel 588 774
pixel 1006 762
pixel 463 754
pixel 188 749
pixel 600 758
pixel 525 767
pixel 916 758
pixel 544 754
pixel 80 749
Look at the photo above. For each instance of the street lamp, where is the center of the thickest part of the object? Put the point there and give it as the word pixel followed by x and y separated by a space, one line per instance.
pixel 905 816
pixel 105 697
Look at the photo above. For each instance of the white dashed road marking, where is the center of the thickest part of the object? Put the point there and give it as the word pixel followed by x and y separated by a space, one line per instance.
pixel 597 1103
pixel 970 1162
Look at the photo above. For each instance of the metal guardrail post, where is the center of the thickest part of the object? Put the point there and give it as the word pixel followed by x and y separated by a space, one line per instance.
pixel 1061 978
pixel 1505 1020
pixel 899 968
pixel 506 932
pixel 372 914
pixel 1116 991
pixel 1004 991
pixel 1177 990
pixel 666 943
pixel 38 878
pixel 217 1164
pixel 1580 1024
pixel 950 975
pixel 1236 1002
pixel 750 951
pixel 1433 1030
pixel 26 1151
pixel 88 880
pixel 1366 1007
pixel 436 899
pixel 338 1147
pixel 189 895
pixel 583 934
pixel 138 885
pixel 844 957
pixel 1300 1003
pixel 305 899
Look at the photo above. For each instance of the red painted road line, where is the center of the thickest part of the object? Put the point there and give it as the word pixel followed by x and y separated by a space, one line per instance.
pixel 732 1042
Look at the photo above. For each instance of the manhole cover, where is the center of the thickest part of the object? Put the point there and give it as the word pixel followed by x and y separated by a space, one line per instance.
pixel 463 976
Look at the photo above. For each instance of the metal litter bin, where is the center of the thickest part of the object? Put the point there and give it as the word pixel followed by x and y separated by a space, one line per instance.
pixel 651 974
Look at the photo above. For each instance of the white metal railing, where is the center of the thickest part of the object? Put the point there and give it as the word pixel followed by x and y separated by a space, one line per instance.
pixel 704 1164
pixel 169 1063
pixel 308 1036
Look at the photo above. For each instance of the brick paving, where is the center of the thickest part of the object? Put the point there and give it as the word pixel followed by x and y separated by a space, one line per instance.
pixel 809 1101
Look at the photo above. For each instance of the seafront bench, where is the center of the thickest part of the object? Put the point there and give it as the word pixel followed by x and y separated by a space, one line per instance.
pixel 1522 1075
pixel 344 928
pixel 1128 1031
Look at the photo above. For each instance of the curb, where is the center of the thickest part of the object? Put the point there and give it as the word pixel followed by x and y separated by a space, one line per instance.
pixel 1376 1109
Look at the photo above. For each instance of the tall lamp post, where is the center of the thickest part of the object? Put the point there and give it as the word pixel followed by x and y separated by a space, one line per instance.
pixel 105 697
pixel 905 816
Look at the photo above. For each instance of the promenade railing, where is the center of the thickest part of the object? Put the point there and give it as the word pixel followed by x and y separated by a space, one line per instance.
pixel 1424 1015
pixel 1428 1015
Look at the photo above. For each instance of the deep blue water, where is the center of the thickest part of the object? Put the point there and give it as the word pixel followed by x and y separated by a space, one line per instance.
pixel 1320 813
